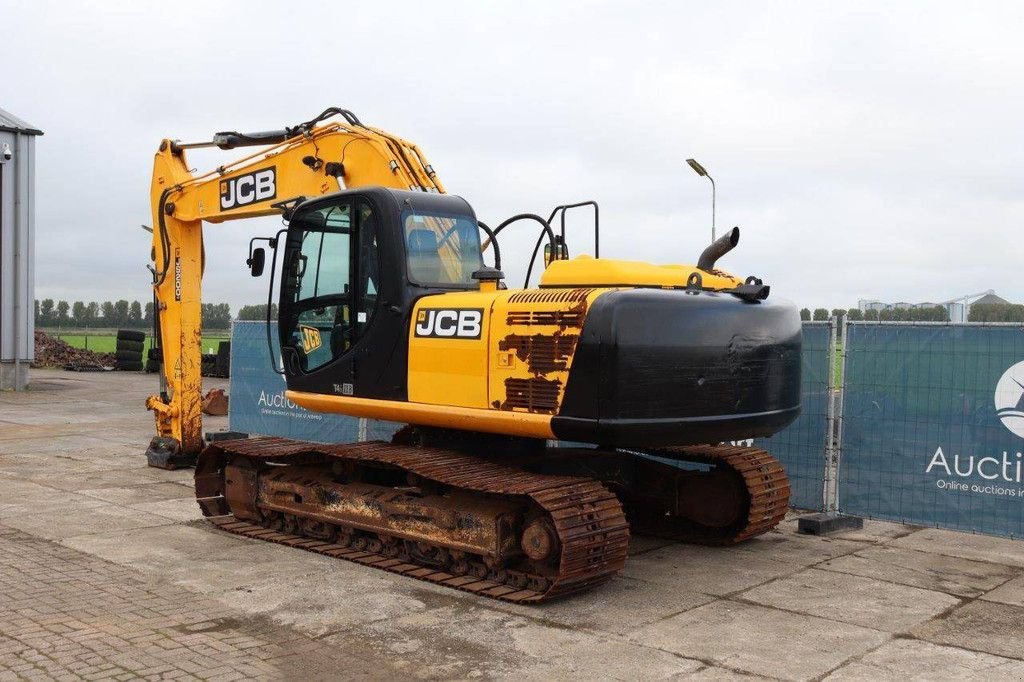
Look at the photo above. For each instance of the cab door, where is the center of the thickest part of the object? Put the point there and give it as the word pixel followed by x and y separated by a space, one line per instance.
pixel 330 290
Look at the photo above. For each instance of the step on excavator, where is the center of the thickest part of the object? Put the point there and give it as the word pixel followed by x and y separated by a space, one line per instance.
pixel 542 424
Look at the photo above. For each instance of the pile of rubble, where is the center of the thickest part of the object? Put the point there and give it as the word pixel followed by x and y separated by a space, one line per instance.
pixel 51 352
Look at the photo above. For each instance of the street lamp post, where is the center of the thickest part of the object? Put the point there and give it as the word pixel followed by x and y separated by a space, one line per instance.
pixel 700 170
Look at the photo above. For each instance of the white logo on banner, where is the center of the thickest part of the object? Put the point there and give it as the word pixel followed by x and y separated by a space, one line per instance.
pixel 1002 475
pixel 1010 399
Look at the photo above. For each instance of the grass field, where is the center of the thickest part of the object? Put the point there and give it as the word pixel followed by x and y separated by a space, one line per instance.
pixel 105 341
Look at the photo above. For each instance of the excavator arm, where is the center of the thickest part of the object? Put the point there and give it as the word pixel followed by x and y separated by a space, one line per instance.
pixel 313 158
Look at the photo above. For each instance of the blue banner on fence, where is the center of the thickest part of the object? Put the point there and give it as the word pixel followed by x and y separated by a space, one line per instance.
pixel 801 446
pixel 933 428
pixel 258 404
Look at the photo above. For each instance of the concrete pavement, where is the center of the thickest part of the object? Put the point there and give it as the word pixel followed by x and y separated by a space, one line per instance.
pixel 108 571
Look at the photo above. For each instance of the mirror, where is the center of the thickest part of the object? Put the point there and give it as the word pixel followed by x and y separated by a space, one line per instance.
pixel 256 261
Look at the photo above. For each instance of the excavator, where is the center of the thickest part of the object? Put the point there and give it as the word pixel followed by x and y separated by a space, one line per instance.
pixel 541 425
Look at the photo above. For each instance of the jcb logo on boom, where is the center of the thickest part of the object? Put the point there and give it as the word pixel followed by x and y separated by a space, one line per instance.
pixel 461 323
pixel 247 189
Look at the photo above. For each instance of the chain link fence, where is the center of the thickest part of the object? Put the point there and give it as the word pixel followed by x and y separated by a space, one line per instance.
pixel 932 425
pixel 802 445
pixel 914 422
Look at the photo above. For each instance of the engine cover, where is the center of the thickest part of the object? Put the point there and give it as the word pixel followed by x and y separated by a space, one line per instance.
pixel 674 367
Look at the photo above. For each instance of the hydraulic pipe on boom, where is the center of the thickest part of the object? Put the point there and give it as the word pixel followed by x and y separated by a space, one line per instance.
pixel 308 160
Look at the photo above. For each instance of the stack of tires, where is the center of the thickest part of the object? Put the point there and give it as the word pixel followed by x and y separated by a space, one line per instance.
pixel 208 367
pixel 218 364
pixel 222 367
pixel 128 356
pixel 213 364
pixel 154 360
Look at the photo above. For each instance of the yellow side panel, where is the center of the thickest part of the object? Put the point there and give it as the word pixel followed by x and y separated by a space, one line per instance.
pixel 448 342
pixel 585 271
pixel 508 351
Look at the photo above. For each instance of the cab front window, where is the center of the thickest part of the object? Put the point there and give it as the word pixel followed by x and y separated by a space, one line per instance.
pixel 442 250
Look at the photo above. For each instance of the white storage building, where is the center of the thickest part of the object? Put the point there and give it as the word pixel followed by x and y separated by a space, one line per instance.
pixel 17 242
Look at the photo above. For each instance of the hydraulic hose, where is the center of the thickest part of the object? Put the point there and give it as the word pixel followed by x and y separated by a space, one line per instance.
pixel 545 230
pixel 492 239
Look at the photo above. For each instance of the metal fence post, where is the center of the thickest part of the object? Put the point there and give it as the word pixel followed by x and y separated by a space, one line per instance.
pixel 828 472
pixel 840 395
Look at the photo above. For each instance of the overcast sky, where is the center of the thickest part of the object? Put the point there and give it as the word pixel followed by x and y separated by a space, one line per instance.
pixel 866 150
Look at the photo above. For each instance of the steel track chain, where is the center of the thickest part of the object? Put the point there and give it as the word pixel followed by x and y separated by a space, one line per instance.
pixel 588 519
pixel 766 483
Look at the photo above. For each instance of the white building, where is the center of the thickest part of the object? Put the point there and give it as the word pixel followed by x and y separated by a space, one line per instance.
pixel 957 311
pixel 865 305
pixel 17 230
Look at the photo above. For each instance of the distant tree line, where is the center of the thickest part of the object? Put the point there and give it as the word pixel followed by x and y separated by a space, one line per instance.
pixel 116 314
pixel 996 312
pixel 257 312
pixel 934 314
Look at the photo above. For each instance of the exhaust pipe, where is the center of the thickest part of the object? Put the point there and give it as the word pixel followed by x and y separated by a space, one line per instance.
pixel 718 248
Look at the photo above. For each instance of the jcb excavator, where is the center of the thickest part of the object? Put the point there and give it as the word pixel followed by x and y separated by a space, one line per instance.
pixel 388 311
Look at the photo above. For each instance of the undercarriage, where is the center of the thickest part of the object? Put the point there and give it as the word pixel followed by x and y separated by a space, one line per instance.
pixel 556 522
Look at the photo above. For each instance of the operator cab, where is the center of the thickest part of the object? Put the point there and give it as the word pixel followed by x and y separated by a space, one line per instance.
pixel 354 263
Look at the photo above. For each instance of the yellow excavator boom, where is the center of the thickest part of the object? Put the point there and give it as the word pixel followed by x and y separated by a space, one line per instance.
pixel 311 159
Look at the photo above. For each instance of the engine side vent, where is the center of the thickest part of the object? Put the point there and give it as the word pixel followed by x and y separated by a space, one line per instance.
pixel 543 353
pixel 555 318
pixel 535 395
pixel 550 296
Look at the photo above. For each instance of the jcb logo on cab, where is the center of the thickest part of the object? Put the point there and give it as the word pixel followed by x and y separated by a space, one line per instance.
pixel 311 339
pixel 247 189
pixel 447 323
